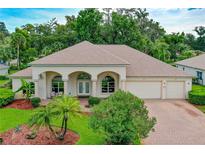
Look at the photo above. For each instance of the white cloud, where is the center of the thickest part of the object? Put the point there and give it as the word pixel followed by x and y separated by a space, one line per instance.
pixel 178 20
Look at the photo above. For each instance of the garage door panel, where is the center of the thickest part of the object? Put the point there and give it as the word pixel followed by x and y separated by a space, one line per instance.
pixel 145 89
pixel 175 90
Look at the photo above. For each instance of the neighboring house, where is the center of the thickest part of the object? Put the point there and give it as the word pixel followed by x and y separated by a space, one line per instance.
pixel 99 70
pixel 194 66
pixel 3 69
pixel 13 62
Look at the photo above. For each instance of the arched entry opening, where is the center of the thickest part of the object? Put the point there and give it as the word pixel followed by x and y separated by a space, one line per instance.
pixel 80 84
pixel 53 83
pixel 83 84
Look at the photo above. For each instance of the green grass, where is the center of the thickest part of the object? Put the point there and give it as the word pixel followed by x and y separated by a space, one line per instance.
pixel 11 118
pixel 3 82
pixel 200 107
pixel 198 87
pixel 200 90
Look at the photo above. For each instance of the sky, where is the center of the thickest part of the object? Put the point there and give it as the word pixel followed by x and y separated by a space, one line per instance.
pixel 173 20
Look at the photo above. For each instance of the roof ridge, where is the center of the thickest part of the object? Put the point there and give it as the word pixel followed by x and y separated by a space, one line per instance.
pixel 203 54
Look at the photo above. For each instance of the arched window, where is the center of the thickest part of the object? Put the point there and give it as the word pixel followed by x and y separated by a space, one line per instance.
pixel 84 76
pixel 108 85
pixel 57 84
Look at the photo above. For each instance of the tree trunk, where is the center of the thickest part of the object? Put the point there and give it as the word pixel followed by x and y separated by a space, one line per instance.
pixel 62 125
pixel 18 58
pixel 65 125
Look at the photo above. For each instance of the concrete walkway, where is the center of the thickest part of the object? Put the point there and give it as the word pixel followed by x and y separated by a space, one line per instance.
pixel 178 122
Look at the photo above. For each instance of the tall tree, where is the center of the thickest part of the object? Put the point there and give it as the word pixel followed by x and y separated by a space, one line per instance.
pixel 3 29
pixel 88 25
pixel 18 41
pixel 176 44
pixel 200 42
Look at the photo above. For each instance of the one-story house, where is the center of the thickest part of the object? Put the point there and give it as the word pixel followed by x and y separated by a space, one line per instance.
pixel 99 70
pixel 4 69
pixel 194 66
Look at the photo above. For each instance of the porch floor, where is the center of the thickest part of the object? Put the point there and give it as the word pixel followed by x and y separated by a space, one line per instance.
pixel 83 103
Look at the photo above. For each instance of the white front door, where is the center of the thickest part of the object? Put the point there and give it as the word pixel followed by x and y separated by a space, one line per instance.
pixel 83 87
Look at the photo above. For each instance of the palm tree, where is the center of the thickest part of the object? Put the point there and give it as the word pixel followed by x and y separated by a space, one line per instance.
pixel 41 118
pixel 65 107
pixel 27 87
pixel 18 41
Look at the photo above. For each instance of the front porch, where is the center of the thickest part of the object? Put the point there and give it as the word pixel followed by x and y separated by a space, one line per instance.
pixel 79 84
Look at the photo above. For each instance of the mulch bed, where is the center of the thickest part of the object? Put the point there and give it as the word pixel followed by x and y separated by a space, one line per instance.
pixel 44 137
pixel 20 104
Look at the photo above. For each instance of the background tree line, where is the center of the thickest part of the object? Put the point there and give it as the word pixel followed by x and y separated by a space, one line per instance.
pixel 132 27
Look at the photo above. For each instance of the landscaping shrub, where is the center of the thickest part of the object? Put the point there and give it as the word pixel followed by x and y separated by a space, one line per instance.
pixel 3 77
pixel 123 118
pixel 35 101
pixel 93 100
pixel 197 97
pixel 6 96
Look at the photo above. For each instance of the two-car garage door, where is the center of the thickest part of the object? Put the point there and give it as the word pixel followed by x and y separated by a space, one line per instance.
pixel 153 89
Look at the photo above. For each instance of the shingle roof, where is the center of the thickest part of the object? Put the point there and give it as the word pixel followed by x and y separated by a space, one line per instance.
pixel 82 53
pixel 195 62
pixel 136 62
pixel 142 64
pixel 23 73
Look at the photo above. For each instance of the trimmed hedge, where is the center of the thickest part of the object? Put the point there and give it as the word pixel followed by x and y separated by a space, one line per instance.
pixel 35 101
pixel 197 97
pixel 93 100
pixel 6 96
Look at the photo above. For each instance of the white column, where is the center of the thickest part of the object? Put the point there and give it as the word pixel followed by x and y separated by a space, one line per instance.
pixel 123 85
pixel 36 88
pixel 94 88
pixel 164 89
pixel 188 87
pixel 65 86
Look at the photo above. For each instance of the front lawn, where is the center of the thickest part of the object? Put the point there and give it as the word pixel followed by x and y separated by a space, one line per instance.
pixel 11 118
pixel 3 82
pixel 200 90
pixel 200 107
pixel 198 87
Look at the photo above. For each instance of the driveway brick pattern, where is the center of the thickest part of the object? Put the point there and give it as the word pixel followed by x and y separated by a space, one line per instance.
pixel 178 122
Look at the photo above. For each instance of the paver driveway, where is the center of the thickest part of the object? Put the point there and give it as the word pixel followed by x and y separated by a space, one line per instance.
pixel 178 122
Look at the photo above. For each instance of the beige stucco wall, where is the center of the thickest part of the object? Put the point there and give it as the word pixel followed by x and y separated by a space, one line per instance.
pixel 72 83
pixel 94 71
pixel 44 76
pixel 162 85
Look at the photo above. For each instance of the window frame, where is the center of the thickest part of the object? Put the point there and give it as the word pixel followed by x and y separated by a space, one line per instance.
pixel 60 84
pixel 109 85
pixel 199 75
